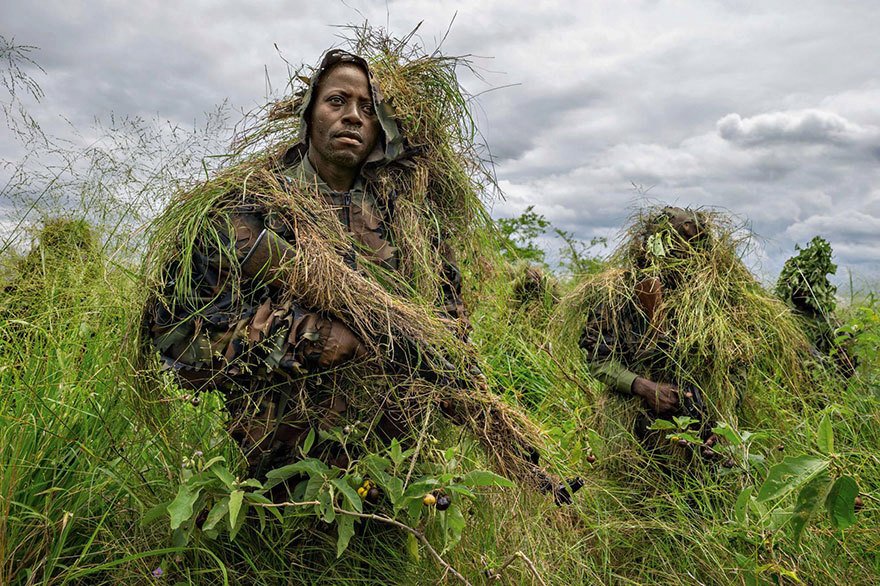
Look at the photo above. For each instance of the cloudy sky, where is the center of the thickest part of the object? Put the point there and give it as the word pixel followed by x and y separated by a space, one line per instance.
pixel 766 108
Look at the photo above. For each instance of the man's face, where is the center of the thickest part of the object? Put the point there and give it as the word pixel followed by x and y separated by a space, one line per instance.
pixel 343 128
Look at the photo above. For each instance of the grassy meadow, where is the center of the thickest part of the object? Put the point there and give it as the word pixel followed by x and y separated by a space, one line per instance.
pixel 83 465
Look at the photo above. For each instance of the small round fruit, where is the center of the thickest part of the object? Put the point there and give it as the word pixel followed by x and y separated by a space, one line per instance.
pixel 591 458
pixel 780 447
pixel 728 464
pixel 683 443
pixel 443 502
pixel 858 503
pixel 373 495
pixel 429 500
pixel 362 492
pixel 196 401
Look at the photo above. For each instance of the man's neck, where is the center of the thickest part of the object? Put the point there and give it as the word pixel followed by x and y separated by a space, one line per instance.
pixel 336 179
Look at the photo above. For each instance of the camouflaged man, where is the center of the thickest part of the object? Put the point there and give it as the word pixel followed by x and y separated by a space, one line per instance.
pixel 625 342
pixel 239 332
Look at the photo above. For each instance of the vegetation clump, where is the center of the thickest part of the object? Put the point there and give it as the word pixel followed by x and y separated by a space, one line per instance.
pixel 803 282
pixel 805 287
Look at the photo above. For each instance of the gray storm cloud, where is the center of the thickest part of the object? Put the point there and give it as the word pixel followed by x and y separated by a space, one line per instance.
pixel 765 109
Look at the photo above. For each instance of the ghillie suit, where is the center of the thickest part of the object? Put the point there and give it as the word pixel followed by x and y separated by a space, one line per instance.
pixel 313 309
pixel 533 288
pixel 804 286
pixel 679 306
pixel 58 242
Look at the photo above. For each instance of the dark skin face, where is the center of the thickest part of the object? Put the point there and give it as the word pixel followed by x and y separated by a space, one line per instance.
pixel 343 127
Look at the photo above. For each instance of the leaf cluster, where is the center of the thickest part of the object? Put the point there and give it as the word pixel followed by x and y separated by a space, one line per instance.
pixel 803 282
pixel 211 501
pixel 795 489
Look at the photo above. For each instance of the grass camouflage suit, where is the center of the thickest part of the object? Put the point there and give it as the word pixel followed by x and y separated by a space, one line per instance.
pixel 237 329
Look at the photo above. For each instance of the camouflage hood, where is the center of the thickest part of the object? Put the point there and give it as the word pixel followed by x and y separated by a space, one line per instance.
pixel 389 148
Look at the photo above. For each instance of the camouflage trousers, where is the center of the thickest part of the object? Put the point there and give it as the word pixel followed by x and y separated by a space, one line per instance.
pixel 270 427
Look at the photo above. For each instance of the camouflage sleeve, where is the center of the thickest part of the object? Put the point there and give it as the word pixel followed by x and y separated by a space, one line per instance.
pixel 614 374
pixel 601 347
pixel 231 323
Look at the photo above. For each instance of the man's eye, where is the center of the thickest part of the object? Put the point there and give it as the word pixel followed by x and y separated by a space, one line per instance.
pixel 336 100
pixel 368 109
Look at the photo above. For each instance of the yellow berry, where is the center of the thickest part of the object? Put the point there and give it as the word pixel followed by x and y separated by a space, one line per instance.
pixel 429 499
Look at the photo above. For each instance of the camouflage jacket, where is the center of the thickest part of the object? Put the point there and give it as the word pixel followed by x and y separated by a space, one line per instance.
pixel 233 332
pixel 620 343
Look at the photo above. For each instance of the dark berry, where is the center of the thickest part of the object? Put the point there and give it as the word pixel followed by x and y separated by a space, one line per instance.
pixel 443 502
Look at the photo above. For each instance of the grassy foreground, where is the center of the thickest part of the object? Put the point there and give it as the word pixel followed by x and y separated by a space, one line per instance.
pixel 81 470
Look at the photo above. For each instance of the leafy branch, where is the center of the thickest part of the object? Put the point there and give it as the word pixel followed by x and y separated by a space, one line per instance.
pixel 210 500
pixel 812 480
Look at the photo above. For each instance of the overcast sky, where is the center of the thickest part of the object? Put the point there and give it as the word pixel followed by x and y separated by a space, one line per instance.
pixel 770 109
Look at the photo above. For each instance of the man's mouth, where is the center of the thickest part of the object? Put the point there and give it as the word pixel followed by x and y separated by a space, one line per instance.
pixel 350 135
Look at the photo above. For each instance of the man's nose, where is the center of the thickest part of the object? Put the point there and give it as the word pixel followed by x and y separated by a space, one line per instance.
pixel 353 114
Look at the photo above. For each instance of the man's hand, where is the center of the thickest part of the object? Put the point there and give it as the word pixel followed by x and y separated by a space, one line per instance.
pixel 659 397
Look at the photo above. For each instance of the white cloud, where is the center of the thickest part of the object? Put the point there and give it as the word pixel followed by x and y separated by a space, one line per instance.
pixel 804 126
pixel 850 226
